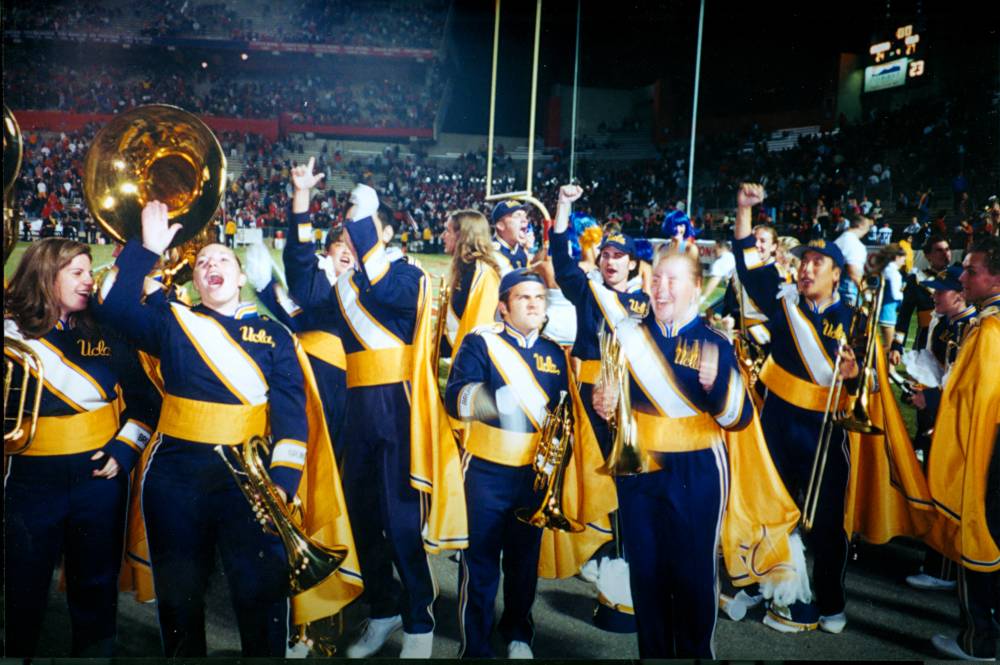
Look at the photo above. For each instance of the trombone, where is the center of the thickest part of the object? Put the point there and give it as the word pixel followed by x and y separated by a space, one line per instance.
pixel 863 333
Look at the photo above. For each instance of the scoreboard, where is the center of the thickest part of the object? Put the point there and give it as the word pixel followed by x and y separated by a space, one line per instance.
pixel 896 61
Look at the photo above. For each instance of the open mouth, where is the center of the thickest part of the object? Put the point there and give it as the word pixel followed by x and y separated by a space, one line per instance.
pixel 214 279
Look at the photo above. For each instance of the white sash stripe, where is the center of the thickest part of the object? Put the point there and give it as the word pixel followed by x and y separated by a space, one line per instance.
pixel 287 452
pixel 503 262
pixel 611 306
pixel 752 258
pixel 760 333
pixel 367 330
pixel 734 401
pixel 227 357
pixel 451 326
pixel 376 263
pixel 59 375
pixel 750 308
pixel 807 340
pixel 648 368
pixel 520 377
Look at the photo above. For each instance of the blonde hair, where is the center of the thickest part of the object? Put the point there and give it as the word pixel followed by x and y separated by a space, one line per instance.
pixel 31 299
pixel 693 264
pixel 473 243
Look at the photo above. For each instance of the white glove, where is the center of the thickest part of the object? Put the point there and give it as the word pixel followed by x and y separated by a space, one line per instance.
pixel 365 202
pixel 511 415
pixel 258 266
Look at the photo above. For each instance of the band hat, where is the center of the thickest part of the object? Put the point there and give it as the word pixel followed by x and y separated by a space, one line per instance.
pixel 505 208
pixel 518 276
pixel 946 280
pixel 619 241
pixel 821 247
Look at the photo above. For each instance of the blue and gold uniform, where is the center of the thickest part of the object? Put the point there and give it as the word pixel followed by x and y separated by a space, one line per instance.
pixel 381 313
pixel 325 351
pixel 917 298
pixel 594 305
pixel 54 507
pixel 472 304
pixel 683 500
pixel 797 378
pixel 525 375
pixel 507 257
pixel 225 378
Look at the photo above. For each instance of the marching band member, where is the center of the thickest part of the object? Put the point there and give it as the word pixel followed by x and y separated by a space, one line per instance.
pixel 228 373
pixel 66 495
pixel 961 455
pixel 396 458
pixel 313 328
pixel 686 390
pixel 948 325
pixel 918 297
pixel 510 221
pixel 807 323
pixel 616 262
pixel 473 277
pixel 504 380
pixel 737 302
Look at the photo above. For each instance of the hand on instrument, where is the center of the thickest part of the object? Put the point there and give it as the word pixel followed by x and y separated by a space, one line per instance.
pixel 708 368
pixel 110 468
pixel 303 178
pixel 604 399
pixel 282 493
pixel 848 363
pixel 157 231
pixel 569 193
pixel 895 357
pixel 749 195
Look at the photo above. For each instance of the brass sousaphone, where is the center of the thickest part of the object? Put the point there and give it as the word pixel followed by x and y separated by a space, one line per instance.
pixel 156 153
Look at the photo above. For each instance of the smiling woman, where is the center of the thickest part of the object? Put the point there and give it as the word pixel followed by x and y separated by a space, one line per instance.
pixel 71 477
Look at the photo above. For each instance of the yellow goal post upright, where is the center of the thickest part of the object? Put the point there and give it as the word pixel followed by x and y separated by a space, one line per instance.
pixel 525 194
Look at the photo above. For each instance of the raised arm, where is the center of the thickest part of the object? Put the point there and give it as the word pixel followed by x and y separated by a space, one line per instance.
pixel 307 282
pixel 761 280
pixel 119 303
pixel 572 280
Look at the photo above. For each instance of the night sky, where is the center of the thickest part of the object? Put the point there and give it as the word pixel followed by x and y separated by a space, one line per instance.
pixel 756 57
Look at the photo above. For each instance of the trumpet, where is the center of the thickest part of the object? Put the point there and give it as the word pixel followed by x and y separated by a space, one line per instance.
pixel 19 427
pixel 863 333
pixel 309 562
pixel 750 354
pixel 551 458
pixel 443 303
pixel 627 457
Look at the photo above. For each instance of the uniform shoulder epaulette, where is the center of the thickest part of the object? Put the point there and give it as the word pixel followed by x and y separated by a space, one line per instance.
pixel 488 328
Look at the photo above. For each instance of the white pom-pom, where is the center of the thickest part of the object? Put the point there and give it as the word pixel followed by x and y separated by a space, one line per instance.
pixel 794 588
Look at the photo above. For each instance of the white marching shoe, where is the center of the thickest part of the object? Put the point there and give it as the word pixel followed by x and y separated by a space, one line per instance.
pixel 833 623
pixel 374 637
pixel 949 647
pixel 736 606
pixel 417 645
pixel 517 650
pixel 927 582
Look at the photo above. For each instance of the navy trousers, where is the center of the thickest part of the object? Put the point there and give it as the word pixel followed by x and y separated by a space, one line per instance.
pixel 54 507
pixel 386 512
pixel 671 520
pixel 979 605
pixel 792 436
pixel 493 492
pixel 331 383
pixel 191 506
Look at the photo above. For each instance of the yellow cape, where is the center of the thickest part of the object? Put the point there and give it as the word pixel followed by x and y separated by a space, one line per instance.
pixel 964 437
pixel 760 514
pixel 481 305
pixel 588 497
pixel 887 494
pixel 324 519
pixel 435 466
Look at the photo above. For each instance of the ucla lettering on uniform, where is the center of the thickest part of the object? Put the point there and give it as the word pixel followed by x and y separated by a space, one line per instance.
pixel 89 349
pixel 545 364
pixel 640 307
pixel 832 331
pixel 687 354
pixel 256 336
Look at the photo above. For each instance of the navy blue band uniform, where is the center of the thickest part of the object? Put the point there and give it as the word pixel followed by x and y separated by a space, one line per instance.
pixel 680 424
pixel 225 378
pixel 507 257
pixel 797 378
pixel 524 375
pixel 373 311
pixel 918 299
pixel 315 330
pixel 594 304
pixel 54 507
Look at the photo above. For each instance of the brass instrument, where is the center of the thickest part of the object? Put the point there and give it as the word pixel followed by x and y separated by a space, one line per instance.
pixel 19 427
pixel 162 153
pixel 13 147
pixel 863 333
pixel 627 457
pixel 443 303
pixel 749 353
pixel 309 562
pixel 551 458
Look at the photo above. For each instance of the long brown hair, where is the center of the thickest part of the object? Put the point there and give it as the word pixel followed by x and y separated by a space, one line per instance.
pixel 31 298
pixel 473 243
